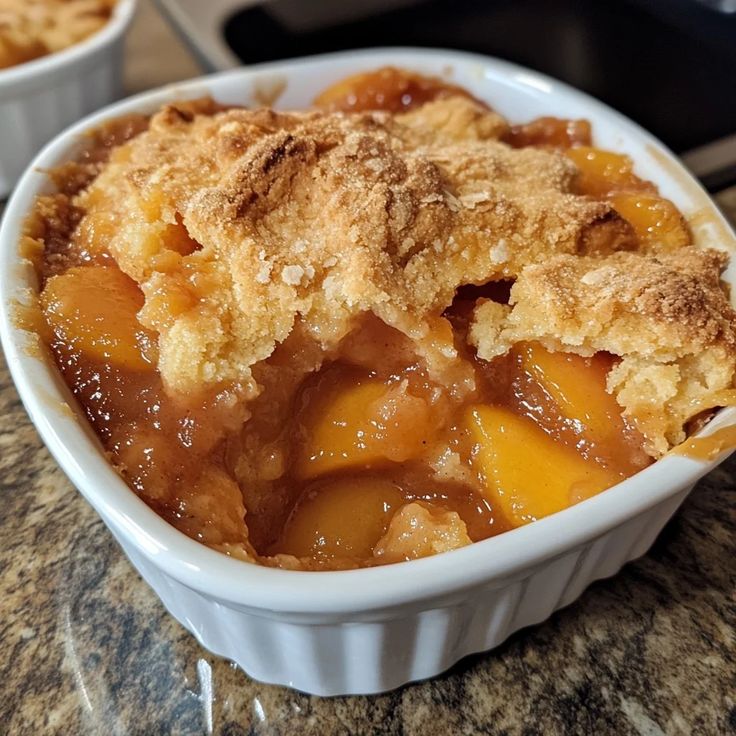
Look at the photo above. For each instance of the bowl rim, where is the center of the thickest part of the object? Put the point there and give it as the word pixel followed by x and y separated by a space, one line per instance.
pixel 19 74
pixel 269 591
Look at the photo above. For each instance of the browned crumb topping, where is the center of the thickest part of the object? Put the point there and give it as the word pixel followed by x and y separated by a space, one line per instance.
pixel 33 28
pixel 666 316
pixel 322 216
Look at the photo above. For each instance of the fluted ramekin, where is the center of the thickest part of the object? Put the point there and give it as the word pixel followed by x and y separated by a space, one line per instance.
pixel 40 98
pixel 371 630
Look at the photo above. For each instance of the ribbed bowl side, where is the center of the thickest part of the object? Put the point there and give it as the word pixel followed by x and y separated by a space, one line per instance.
pixel 375 651
pixel 30 117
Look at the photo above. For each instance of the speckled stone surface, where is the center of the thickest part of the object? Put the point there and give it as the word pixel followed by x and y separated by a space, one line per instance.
pixel 87 648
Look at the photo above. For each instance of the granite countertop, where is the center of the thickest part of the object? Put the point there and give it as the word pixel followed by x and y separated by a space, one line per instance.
pixel 87 648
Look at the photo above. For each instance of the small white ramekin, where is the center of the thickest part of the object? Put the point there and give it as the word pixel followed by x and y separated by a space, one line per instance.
pixel 371 630
pixel 40 98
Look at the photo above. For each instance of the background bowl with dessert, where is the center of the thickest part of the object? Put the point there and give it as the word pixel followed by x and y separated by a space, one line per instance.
pixel 58 62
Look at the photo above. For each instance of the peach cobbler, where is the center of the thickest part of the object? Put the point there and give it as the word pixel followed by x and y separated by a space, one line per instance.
pixel 30 29
pixel 376 330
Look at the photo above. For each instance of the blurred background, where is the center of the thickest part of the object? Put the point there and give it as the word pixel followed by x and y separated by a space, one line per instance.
pixel 668 64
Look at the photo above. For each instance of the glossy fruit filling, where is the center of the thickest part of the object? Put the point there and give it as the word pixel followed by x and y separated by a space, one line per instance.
pixel 359 462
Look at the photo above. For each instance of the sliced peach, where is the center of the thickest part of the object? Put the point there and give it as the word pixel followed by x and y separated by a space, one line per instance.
pixel 603 172
pixel 579 410
pixel 93 310
pixel 343 518
pixel 577 385
pixel 361 425
pixel 655 220
pixel 387 88
pixel 95 231
pixel 549 131
pixel 525 472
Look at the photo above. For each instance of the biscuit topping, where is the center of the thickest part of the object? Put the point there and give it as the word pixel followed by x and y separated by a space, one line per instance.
pixel 33 28
pixel 321 217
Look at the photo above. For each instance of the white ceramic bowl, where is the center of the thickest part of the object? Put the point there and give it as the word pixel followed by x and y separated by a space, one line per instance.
pixel 40 98
pixel 369 630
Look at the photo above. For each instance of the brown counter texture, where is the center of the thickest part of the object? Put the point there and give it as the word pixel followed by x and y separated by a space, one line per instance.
pixel 88 649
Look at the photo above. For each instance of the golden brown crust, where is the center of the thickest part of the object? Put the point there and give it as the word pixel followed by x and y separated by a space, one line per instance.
pixel 33 28
pixel 321 217
pixel 239 224
pixel 666 316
